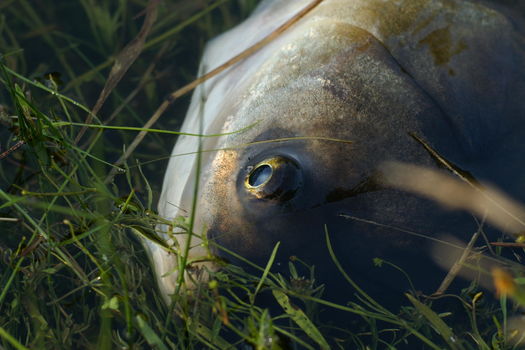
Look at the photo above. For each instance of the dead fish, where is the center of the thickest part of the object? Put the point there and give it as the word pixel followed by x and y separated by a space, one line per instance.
pixel 308 121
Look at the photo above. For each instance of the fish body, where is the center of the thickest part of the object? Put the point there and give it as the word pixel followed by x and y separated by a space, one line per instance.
pixel 308 120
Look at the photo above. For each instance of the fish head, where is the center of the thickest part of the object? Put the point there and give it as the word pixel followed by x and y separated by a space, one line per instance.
pixel 300 133
pixel 303 151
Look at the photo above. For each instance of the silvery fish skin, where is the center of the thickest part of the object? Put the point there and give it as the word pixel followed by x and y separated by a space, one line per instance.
pixel 366 71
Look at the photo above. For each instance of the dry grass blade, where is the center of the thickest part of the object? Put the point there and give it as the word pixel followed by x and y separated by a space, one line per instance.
pixel 146 78
pixel 472 265
pixel 12 149
pixel 458 264
pixel 501 211
pixel 123 61
pixel 508 244
pixel 246 53
pixel 185 89
pixel 460 173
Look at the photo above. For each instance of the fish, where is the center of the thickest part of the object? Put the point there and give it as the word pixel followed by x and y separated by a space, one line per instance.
pixel 296 135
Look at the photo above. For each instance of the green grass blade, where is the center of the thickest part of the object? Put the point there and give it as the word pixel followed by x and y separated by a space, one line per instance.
pixel 12 340
pixel 265 273
pixel 301 319
pixel 151 337
pixel 439 325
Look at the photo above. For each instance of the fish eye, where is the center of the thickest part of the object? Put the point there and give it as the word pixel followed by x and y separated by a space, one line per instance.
pixel 260 175
pixel 276 178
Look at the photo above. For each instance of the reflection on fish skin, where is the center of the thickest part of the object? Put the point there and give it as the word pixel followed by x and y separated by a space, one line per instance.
pixel 370 72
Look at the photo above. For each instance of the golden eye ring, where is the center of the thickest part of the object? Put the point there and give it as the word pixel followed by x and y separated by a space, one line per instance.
pixel 259 175
pixel 276 178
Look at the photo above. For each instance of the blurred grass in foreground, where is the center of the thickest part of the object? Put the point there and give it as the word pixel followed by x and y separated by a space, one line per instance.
pixel 72 272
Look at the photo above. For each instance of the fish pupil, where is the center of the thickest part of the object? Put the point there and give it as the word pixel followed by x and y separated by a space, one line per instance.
pixel 260 175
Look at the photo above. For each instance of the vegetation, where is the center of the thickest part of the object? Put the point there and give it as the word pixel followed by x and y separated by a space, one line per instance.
pixel 74 77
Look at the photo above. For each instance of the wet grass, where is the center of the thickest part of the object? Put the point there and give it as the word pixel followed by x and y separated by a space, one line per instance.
pixel 73 273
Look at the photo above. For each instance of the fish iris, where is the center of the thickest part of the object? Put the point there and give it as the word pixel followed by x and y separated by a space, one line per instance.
pixel 260 175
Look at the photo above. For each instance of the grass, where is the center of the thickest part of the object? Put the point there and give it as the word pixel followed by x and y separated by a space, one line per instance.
pixel 73 273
